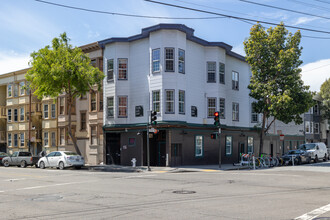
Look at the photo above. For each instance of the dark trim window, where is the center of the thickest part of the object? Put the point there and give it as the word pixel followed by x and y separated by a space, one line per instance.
pixel 169 59
pixel 9 140
pixel 235 78
pixel 156 101
pixel 10 90
pixel 100 95
pixel 254 115
pixel 316 128
pixel 155 60
pixel 45 111
pixel 122 68
pixel 15 140
pixel 82 120
pixel 46 139
pixel 211 67
pixel 169 101
pixel 110 70
pixel 122 106
pixel 182 100
pixel 222 108
pixel 235 111
pixel 229 145
pixel 15 115
pixel 250 144
pixel 9 115
pixel 211 107
pixel 22 140
pixel 222 73
pixel 110 105
pixel 53 110
pixel 131 141
pixel 199 145
pixel 21 118
pixel 181 60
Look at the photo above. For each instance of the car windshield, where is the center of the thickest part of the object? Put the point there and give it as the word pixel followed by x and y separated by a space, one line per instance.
pixel 307 146
pixel 293 152
pixel 3 154
pixel 71 154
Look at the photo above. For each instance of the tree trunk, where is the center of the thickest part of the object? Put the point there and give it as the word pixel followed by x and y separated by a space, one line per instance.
pixel 74 140
pixel 262 133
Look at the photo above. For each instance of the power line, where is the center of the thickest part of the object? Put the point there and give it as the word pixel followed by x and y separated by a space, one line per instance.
pixel 284 9
pixel 311 5
pixel 317 68
pixel 122 14
pixel 323 1
pixel 236 17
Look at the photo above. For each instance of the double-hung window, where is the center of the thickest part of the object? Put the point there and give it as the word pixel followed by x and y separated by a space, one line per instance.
pixel 9 140
pixel 222 108
pixel 15 140
pixel 182 99
pixel 181 61
pixel 222 73
pixel 211 67
pixel 21 115
pixel 307 127
pixel 100 95
pixel 110 107
pixel 9 115
pixel 235 111
pixel 229 145
pixel 21 88
pixel 169 101
pixel 53 139
pixel 15 115
pixel 45 111
pixel 122 106
pixel 155 60
pixel 93 101
pixel 93 135
pixel 156 101
pixel 15 90
pixel 110 70
pixel 250 145
pixel 169 59
pixel 61 105
pixel 235 77
pixel 53 106
pixel 316 128
pixel 10 90
pixel 46 139
pixel 83 121
pixel 211 107
pixel 122 68
pixel 62 136
pixel 22 140
pixel 254 115
pixel 199 146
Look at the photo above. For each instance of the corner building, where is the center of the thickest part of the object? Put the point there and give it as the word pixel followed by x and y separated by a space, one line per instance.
pixel 185 79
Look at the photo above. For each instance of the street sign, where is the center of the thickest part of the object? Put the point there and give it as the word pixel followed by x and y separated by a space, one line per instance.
pixel 152 130
pixel 281 137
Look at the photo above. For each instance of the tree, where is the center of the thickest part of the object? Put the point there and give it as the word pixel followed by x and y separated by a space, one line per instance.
pixel 325 97
pixel 276 83
pixel 61 69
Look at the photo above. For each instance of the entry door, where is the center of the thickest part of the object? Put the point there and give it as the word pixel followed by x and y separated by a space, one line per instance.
pixel 113 148
pixel 161 154
pixel 241 150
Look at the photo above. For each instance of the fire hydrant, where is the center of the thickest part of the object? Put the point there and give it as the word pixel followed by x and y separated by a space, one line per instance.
pixel 133 162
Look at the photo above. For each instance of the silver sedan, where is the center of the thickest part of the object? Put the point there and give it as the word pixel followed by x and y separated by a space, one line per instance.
pixel 61 160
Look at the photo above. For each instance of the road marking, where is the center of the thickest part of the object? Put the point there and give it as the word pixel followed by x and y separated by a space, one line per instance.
pixel 11 180
pixel 315 213
pixel 129 177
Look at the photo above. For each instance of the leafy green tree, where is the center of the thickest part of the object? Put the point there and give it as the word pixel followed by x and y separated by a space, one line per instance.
pixel 61 69
pixel 325 97
pixel 276 83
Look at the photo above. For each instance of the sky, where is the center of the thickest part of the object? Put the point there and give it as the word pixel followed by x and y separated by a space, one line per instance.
pixel 29 25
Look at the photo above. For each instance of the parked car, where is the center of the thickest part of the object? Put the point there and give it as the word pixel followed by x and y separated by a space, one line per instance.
pixel 61 160
pixel 299 157
pixel 20 158
pixel 2 155
pixel 316 151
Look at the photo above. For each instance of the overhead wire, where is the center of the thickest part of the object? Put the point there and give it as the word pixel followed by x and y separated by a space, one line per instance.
pixel 311 5
pixel 323 1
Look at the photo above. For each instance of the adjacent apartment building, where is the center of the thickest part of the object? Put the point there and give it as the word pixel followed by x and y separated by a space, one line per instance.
pixel 185 79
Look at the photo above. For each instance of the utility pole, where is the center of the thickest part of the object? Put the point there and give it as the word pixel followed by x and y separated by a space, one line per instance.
pixel 148 153
pixel 30 102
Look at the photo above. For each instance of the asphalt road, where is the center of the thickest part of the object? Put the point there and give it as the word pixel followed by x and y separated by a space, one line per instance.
pixel 300 192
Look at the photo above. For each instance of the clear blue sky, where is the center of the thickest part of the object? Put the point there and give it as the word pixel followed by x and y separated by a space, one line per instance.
pixel 28 25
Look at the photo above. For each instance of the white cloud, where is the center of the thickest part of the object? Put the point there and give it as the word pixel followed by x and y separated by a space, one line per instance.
pixel 11 61
pixel 314 74
pixel 304 20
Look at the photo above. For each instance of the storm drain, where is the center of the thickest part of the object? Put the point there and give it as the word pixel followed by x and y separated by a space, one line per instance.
pixel 184 192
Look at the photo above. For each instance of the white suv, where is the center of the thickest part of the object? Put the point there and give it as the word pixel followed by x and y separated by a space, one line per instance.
pixel 315 150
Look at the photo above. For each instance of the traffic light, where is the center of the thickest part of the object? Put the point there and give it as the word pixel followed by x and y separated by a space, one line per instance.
pixel 153 117
pixel 216 119
pixel 214 136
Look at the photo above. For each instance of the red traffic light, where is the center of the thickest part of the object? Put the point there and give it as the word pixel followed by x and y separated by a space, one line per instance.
pixel 216 114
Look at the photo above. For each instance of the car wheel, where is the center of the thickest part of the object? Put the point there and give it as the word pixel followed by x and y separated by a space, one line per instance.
pixel 325 157
pixel 299 161
pixel 42 165
pixel 23 163
pixel 309 160
pixel 316 160
pixel 6 163
pixel 61 165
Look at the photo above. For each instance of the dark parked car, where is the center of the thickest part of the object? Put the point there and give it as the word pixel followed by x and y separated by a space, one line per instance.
pixel 2 155
pixel 299 157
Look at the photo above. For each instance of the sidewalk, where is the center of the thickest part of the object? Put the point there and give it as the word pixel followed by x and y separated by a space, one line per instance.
pixel 191 168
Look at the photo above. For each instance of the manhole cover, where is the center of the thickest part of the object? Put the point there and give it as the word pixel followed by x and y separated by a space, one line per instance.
pixel 184 192
pixel 47 198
